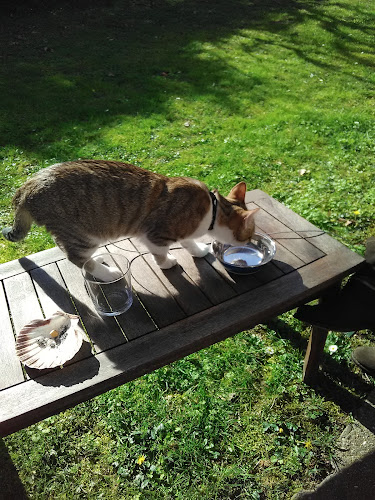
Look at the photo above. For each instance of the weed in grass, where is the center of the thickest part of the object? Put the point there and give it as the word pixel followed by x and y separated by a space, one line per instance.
pixel 338 346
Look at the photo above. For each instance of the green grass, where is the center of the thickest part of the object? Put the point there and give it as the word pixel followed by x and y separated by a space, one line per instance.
pixel 233 421
pixel 279 94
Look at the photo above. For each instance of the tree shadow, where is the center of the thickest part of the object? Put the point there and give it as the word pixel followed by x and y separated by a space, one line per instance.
pixel 71 69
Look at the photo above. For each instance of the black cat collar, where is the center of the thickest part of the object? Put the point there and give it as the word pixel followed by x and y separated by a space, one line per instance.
pixel 214 209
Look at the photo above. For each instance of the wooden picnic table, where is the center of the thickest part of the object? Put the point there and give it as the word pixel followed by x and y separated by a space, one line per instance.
pixel 175 312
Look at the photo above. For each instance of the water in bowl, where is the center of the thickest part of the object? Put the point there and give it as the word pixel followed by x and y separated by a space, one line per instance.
pixel 243 256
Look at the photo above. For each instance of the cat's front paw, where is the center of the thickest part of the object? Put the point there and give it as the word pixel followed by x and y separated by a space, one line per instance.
pixel 106 273
pixel 165 262
pixel 199 249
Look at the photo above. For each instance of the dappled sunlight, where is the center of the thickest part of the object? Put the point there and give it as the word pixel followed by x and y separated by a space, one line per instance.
pixel 134 60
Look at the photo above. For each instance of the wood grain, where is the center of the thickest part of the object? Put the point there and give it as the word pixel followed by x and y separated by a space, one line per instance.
pixel 239 283
pixel 53 296
pixel 212 284
pixel 51 290
pixel 290 219
pixel 288 237
pixel 30 262
pixel 158 301
pixel 185 292
pixel 22 299
pixel 10 367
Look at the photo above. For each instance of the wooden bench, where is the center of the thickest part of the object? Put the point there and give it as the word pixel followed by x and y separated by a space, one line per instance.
pixel 175 312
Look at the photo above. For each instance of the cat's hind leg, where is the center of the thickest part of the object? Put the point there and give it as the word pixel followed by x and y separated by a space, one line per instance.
pixel 99 268
pixel 196 248
pixel 77 250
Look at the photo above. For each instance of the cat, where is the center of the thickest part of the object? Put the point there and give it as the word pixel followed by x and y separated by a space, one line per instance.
pixel 86 203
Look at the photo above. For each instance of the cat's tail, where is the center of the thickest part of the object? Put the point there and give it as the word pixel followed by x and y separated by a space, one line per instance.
pixel 22 220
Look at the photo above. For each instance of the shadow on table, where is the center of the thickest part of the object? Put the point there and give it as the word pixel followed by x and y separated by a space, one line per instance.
pixel 69 374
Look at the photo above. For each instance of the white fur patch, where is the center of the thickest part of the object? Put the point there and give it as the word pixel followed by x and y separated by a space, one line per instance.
pixel 196 248
pixel 165 263
pixel 224 234
pixel 106 273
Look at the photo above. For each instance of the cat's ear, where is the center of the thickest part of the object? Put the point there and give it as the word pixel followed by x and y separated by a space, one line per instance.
pixel 238 192
pixel 249 218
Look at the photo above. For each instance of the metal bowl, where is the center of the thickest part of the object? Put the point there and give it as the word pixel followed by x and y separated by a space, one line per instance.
pixel 247 258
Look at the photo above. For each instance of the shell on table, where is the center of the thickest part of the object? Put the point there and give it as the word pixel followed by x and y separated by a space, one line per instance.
pixel 50 342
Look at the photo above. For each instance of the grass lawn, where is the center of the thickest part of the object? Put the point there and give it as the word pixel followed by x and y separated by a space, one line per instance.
pixel 277 93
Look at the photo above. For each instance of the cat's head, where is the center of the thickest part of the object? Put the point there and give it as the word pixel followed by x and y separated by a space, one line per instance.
pixel 235 224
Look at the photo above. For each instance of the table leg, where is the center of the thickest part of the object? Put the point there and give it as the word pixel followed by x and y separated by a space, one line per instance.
pixel 314 353
pixel 317 342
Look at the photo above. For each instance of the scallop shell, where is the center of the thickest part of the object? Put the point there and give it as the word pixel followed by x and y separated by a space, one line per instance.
pixel 50 342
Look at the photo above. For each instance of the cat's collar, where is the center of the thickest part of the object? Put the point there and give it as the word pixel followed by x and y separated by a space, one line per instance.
pixel 214 210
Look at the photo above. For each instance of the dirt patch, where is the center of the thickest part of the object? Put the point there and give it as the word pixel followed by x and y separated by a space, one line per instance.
pixel 354 478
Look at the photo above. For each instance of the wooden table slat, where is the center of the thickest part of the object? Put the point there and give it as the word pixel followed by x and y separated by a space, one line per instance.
pixel 269 224
pixel 285 235
pixel 286 260
pixel 315 236
pixel 268 272
pixel 212 284
pixel 30 262
pixel 136 321
pixel 22 299
pixel 10 367
pixel 242 283
pixel 160 304
pixel 51 290
pixel 24 306
pixel 54 296
pixel 185 292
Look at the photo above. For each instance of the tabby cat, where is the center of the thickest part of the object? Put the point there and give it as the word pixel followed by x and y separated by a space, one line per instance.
pixel 86 203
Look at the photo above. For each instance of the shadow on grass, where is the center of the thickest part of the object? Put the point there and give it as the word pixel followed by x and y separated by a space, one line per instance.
pixel 72 64
pixel 336 382
pixel 11 485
